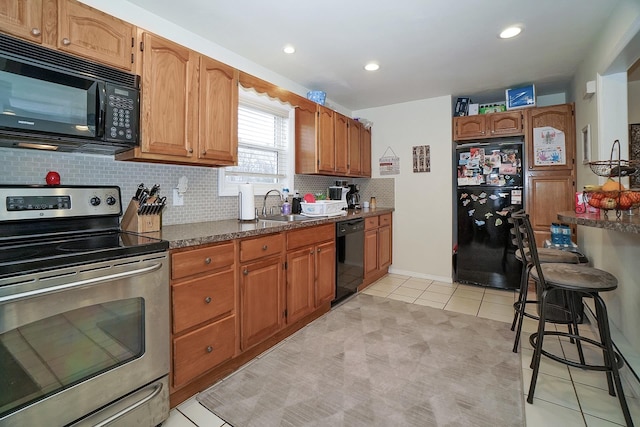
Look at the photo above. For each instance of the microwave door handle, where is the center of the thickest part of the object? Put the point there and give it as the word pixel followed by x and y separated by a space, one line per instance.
pixel 101 109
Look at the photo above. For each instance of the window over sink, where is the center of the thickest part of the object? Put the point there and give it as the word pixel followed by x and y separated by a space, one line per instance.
pixel 265 141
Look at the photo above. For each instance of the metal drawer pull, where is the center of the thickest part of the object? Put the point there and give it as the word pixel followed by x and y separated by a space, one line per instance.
pixel 319 250
pixel 245 271
pixel 207 260
pixel 156 390
pixel 209 349
pixel 264 248
pixel 35 32
pixel 207 300
pixel 66 41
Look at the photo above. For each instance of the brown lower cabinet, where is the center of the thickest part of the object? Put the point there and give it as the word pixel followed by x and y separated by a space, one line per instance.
pixel 377 248
pixel 232 301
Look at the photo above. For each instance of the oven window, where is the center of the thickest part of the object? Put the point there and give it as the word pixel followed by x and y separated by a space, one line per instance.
pixel 44 357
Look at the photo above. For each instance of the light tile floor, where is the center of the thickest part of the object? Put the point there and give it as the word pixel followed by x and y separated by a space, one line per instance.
pixel 567 397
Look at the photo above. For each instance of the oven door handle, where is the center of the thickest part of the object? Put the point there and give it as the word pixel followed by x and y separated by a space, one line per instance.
pixel 87 282
pixel 154 393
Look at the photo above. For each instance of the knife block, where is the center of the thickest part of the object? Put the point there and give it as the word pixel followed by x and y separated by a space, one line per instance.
pixel 135 223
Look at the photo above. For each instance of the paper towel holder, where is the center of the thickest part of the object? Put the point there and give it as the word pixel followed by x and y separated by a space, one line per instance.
pixel 246 213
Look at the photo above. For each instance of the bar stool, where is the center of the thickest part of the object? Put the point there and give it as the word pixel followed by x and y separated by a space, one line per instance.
pixel 586 281
pixel 546 255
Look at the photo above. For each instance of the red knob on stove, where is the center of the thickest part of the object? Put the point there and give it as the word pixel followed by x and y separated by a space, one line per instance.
pixel 53 178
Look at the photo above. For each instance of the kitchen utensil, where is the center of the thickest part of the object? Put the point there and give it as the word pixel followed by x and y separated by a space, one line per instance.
pixel 138 192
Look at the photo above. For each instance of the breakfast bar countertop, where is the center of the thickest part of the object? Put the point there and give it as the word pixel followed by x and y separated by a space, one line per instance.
pixel 185 235
pixel 626 223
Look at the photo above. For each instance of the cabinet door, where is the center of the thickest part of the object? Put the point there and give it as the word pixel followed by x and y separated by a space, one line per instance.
pixel 22 18
pixel 300 281
pixel 169 98
pixel 325 144
pixel 365 135
pixel 325 270
pixel 384 247
pixel 262 300
pixel 559 117
pixel 218 137
pixel 93 34
pixel 341 136
pixel 549 193
pixel 355 149
pixel 469 127
pixel 305 131
pixel 505 124
pixel 370 252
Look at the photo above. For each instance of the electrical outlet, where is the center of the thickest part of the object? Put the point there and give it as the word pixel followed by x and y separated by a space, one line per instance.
pixel 178 199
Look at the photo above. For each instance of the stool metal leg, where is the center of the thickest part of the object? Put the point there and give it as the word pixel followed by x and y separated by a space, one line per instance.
pixel 610 358
pixel 537 353
pixel 573 312
pixel 518 315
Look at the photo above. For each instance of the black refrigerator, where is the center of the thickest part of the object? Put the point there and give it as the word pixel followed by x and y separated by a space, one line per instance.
pixel 489 189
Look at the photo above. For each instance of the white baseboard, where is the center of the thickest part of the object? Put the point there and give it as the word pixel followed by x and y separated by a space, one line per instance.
pixel 420 275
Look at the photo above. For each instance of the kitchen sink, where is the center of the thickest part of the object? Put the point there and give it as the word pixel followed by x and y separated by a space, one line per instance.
pixel 285 218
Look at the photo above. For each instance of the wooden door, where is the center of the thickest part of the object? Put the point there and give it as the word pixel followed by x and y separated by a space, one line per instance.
pixel 384 247
pixel 341 137
pixel 355 149
pixel 93 34
pixel 505 124
pixel 22 18
pixel 370 251
pixel 469 127
pixel 365 135
pixel 548 194
pixel 325 140
pixel 300 283
pixel 261 299
pixel 558 117
pixel 169 98
pixel 325 271
pixel 218 107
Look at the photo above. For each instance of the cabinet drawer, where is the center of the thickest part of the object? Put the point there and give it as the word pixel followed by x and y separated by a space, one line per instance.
pixel 198 300
pixel 203 349
pixel 202 260
pixel 385 219
pixel 370 222
pixel 310 236
pixel 261 247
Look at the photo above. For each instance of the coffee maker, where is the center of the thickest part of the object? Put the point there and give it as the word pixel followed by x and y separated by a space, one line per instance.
pixel 353 196
pixel 339 192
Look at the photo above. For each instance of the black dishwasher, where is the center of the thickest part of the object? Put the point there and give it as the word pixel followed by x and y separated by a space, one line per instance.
pixel 349 258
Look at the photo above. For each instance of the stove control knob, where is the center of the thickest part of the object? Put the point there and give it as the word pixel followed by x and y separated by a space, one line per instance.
pixel 111 200
pixel 95 201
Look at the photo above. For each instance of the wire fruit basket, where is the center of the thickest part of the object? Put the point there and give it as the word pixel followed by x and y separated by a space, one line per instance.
pixel 613 195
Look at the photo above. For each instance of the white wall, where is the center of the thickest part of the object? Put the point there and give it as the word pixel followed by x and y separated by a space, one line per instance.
pixel 607 114
pixel 422 221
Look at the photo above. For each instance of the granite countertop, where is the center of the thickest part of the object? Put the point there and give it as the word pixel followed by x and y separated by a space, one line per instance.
pixel 185 235
pixel 626 223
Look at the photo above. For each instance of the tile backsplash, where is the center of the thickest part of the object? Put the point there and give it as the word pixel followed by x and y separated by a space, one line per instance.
pixel 201 201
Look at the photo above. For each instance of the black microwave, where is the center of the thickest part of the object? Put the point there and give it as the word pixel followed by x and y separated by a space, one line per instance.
pixel 52 100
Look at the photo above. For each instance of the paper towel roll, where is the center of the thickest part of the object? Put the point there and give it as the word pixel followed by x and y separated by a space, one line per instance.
pixel 246 203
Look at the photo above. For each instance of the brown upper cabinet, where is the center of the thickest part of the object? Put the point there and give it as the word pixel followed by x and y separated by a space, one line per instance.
pixel 73 27
pixel 325 142
pixel 560 117
pixel 354 143
pixel 492 125
pixel 189 107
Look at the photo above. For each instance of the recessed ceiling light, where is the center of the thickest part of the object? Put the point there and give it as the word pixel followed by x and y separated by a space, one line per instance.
pixel 372 66
pixel 510 32
pixel 289 49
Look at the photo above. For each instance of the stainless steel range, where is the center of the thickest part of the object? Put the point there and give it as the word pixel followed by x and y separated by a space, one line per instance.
pixel 84 311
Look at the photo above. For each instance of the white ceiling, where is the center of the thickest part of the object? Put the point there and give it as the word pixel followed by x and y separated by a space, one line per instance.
pixel 425 48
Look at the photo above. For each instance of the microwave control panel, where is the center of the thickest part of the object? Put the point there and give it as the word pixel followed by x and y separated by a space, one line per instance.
pixel 122 114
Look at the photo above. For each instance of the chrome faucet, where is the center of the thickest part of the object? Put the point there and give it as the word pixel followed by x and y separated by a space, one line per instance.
pixel 264 201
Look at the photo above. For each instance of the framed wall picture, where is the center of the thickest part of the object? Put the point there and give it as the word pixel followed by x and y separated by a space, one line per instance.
pixel 586 144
